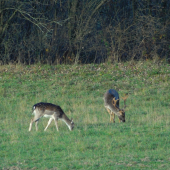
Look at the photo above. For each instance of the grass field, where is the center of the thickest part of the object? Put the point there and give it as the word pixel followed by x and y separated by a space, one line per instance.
pixel 142 142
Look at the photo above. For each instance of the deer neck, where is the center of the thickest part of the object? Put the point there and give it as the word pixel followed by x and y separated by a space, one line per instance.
pixel 66 120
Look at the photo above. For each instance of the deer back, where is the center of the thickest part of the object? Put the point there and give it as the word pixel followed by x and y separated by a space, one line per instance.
pixel 111 100
pixel 110 95
pixel 48 109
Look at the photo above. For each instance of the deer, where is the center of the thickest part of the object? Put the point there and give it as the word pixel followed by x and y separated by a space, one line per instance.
pixel 111 103
pixel 51 111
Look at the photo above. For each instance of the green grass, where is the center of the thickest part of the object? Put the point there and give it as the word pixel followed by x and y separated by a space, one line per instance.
pixel 142 142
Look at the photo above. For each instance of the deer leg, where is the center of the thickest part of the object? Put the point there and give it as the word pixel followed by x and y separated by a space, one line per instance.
pixel 56 124
pixel 30 127
pixel 35 119
pixel 36 125
pixel 48 123
pixel 110 118
pixel 113 117
pixel 119 120
pixel 109 114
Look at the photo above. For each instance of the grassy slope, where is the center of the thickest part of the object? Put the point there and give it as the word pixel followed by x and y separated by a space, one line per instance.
pixel 142 142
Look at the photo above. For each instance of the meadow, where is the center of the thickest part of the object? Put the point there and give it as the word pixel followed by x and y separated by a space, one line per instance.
pixel 142 142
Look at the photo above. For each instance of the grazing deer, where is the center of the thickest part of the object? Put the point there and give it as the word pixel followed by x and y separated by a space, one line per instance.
pixel 51 111
pixel 111 103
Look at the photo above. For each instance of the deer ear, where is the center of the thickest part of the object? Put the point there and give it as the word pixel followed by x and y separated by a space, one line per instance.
pixel 121 112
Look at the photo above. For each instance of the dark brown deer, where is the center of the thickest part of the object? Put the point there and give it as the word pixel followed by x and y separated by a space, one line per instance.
pixel 51 111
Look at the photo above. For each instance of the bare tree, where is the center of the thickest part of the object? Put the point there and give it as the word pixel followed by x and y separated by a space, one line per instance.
pixel 26 17
pixel 75 31
pixel 82 23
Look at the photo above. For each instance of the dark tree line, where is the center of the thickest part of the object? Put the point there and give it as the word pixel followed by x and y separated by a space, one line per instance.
pixel 83 31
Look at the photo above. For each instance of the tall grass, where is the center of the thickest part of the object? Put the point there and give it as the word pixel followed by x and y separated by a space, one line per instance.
pixel 140 143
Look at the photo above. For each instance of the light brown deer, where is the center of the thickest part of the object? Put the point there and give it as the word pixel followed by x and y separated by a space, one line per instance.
pixel 51 111
pixel 111 103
